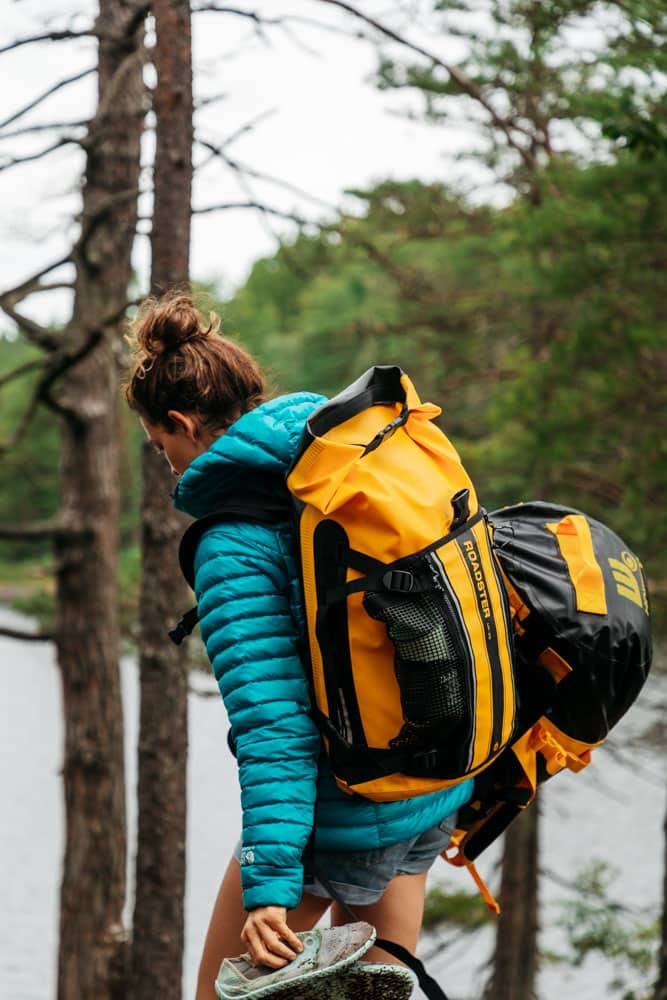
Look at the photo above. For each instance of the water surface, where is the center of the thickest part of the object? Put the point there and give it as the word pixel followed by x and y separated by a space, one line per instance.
pixel 613 812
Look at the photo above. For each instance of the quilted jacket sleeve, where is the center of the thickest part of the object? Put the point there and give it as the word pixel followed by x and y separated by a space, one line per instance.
pixel 242 585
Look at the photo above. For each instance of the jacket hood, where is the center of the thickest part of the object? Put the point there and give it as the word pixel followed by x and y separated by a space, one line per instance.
pixel 263 440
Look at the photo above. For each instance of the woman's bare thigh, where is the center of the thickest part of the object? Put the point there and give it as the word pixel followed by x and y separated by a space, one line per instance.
pixel 397 915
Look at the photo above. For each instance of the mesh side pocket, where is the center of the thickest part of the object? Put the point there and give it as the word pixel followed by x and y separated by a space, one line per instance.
pixel 429 663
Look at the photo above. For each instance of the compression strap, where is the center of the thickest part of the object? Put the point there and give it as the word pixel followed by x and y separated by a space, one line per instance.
pixel 459 860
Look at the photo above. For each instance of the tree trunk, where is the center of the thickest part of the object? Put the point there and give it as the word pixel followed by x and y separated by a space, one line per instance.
pixel 160 875
pixel 92 940
pixel 515 960
pixel 661 984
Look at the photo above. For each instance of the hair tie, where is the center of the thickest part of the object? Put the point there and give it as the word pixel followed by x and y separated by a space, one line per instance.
pixel 175 347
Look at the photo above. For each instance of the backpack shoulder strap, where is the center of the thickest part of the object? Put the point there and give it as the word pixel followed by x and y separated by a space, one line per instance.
pixel 265 502
pixel 270 504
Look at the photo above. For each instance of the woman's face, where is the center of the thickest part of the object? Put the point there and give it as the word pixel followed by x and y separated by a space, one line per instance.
pixel 181 445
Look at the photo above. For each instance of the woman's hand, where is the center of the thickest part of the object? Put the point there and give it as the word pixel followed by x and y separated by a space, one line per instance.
pixel 268 938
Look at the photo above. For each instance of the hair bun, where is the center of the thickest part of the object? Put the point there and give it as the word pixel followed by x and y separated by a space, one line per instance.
pixel 207 375
pixel 166 323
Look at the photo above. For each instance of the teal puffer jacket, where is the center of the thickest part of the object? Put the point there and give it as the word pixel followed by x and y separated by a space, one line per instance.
pixel 251 617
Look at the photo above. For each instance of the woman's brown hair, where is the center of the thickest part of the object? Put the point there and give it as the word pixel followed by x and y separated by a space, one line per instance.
pixel 183 363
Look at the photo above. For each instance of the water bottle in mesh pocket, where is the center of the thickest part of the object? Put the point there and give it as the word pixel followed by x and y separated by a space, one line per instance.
pixel 430 663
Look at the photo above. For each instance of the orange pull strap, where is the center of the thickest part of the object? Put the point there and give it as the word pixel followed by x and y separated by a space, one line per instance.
pixel 458 860
pixel 555 664
pixel 556 756
pixel 576 546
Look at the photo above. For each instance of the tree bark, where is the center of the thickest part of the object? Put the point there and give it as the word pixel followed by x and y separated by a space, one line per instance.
pixel 92 940
pixel 515 960
pixel 173 154
pixel 660 992
pixel 158 925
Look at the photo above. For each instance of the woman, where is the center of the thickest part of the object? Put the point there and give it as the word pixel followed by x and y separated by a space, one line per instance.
pixel 203 403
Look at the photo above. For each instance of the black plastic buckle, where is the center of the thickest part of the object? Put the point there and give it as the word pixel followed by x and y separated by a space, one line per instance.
pixel 398 579
pixel 387 431
pixel 426 760
pixel 185 627
pixel 178 634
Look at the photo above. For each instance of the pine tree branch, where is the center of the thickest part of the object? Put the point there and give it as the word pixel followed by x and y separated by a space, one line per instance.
pixel 412 285
pixel 22 370
pixel 46 94
pixel 283 22
pixel 278 22
pixel 48 36
pixel 36 531
pixel 258 206
pixel 14 633
pixel 44 127
pixel 40 154
pixel 465 84
pixel 260 21
pixel 206 102
pixel 33 283
pixel 251 15
pixel 52 286
pixel 36 334
pixel 243 169
pixel 67 34
pixel 56 365
pixel 248 127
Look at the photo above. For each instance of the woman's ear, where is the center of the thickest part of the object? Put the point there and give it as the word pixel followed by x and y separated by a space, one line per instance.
pixel 186 422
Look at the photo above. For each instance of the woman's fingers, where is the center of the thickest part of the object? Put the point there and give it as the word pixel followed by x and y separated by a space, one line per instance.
pixel 260 954
pixel 287 938
pixel 268 938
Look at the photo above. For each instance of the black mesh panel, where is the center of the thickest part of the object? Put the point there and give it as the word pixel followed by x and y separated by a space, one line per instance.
pixel 430 663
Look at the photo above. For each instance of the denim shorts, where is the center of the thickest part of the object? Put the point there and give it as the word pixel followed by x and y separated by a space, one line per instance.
pixel 361 877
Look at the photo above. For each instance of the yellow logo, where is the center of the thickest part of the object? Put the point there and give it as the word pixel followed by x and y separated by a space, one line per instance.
pixel 629 580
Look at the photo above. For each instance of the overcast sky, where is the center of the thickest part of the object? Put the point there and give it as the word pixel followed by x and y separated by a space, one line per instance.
pixel 323 127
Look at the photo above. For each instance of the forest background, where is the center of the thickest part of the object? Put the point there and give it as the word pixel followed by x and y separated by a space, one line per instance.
pixel 524 291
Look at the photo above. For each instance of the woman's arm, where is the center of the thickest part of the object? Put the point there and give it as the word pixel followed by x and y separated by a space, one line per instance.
pixel 252 641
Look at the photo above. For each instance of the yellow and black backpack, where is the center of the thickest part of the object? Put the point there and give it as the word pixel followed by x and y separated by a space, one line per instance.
pixel 581 613
pixel 409 632
pixel 410 641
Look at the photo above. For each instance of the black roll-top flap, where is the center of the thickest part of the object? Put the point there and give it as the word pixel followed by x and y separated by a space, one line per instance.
pixel 379 385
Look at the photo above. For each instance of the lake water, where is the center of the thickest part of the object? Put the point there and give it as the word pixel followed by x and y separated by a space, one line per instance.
pixel 613 812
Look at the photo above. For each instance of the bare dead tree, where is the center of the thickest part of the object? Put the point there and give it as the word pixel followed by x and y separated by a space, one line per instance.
pixel 158 925
pixel 78 382
pixel 92 939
